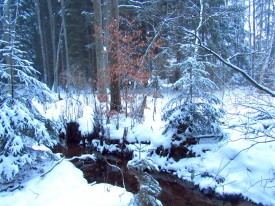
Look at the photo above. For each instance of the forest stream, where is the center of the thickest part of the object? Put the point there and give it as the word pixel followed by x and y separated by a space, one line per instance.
pixel 175 192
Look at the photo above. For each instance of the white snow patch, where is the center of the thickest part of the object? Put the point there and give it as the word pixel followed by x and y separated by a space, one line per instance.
pixel 65 185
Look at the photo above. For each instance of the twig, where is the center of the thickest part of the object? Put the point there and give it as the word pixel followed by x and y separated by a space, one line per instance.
pixel 43 175
pixel 34 193
pixel 119 170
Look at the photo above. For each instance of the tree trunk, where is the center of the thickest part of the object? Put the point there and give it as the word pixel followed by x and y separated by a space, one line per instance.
pixel 57 61
pixel 107 19
pixel 7 24
pixel 37 7
pixel 254 38
pixel 53 37
pixel 65 35
pixel 115 79
pixel 101 81
pixel 266 61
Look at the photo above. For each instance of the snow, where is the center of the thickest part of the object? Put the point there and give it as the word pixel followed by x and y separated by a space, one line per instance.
pixel 65 185
pixel 241 163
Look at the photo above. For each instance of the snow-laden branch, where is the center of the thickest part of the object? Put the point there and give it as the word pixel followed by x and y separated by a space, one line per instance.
pixel 232 66
pixel 239 70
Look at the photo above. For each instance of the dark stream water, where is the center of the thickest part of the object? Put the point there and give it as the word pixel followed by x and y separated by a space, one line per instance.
pixel 175 192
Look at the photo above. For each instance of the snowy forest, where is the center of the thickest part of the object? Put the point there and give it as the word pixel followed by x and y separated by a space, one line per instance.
pixel 137 102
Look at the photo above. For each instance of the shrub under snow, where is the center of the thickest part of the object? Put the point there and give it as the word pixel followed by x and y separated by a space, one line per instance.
pixel 21 128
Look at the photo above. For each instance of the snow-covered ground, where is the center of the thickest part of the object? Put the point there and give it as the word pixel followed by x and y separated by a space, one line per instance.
pixel 242 163
pixel 65 185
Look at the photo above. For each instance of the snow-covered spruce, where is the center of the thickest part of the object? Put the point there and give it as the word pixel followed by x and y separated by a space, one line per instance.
pixel 22 128
pixel 149 188
pixel 194 111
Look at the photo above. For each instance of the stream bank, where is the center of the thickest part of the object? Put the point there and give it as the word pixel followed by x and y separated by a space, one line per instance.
pixel 175 191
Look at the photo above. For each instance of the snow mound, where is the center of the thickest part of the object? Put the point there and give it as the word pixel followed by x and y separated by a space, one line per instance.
pixel 65 185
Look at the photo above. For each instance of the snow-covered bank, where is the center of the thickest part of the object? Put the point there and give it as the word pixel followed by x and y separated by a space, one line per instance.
pixel 242 163
pixel 65 185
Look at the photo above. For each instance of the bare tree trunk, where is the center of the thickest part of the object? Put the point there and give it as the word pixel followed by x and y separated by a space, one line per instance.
pixel 107 19
pixel 53 37
pixel 101 81
pixel 266 61
pixel 268 21
pixel 254 37
pixel 8 42
pixel 65 35
pixel 37 7
pixel 57 60
pixel 115 79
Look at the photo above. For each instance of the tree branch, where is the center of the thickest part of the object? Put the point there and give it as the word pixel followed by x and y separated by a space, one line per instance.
pixel 233 67
pixel 239 70
pixel 44 174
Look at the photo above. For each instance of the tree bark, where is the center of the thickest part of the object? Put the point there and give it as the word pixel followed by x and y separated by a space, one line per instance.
pixel 7 24
pixel 65 35
pixel 37 7
pixel 53 37
pixel 106 21
pixel 115 79
pixel 57 60
pixel 253 38
pixel 101 81
pixel 266 61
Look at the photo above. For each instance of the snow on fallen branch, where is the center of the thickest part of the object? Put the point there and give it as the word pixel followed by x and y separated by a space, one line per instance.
pixel 44 174
pixel 83 157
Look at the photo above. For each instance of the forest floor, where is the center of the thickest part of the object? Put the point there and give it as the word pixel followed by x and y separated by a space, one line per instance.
pixel 239 164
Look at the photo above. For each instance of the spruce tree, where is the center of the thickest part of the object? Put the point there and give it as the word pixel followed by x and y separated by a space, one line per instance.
pixel 194 111
pixel 149 188
pixel 22 128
